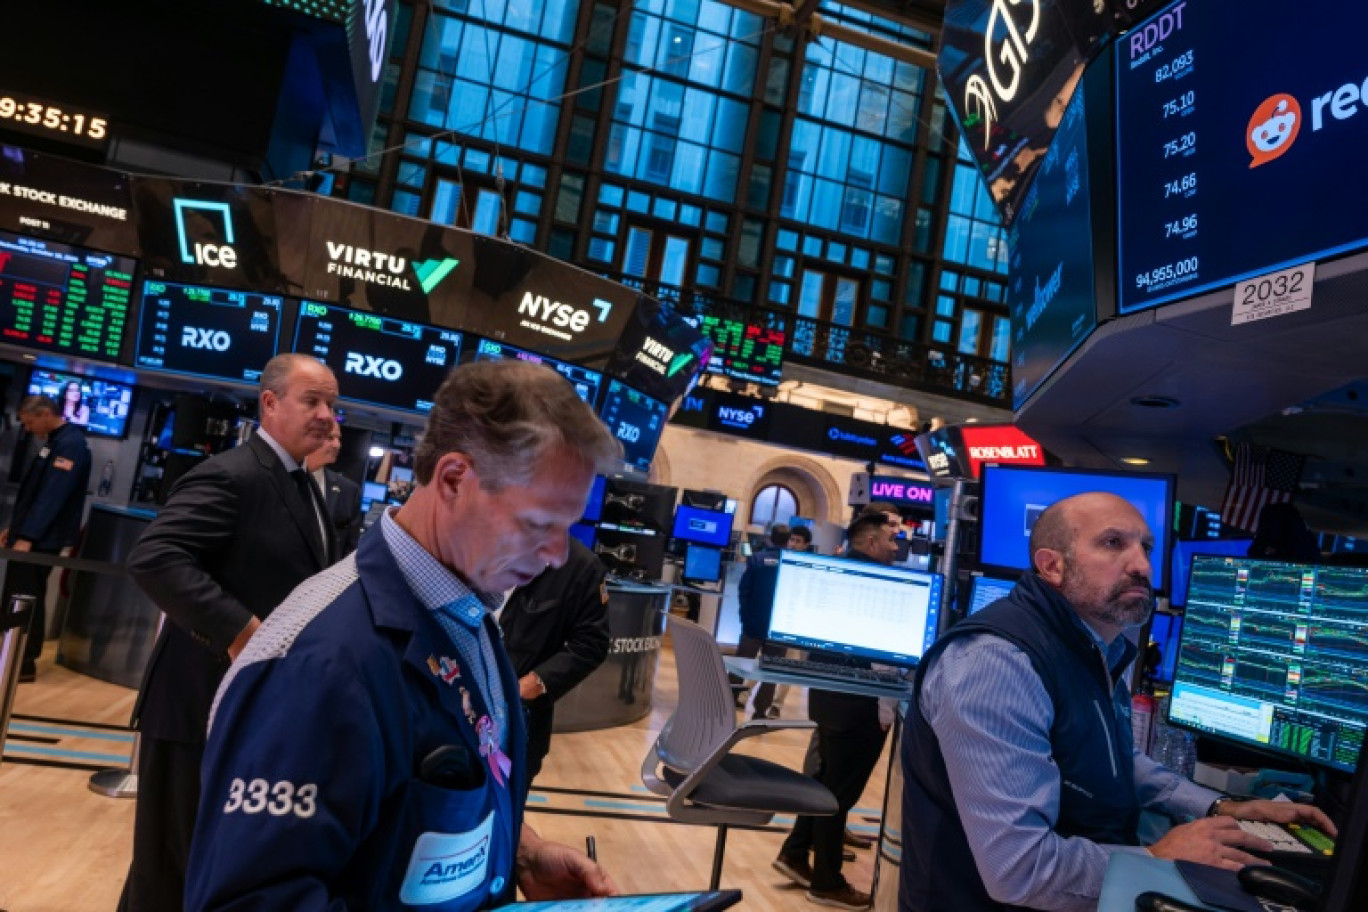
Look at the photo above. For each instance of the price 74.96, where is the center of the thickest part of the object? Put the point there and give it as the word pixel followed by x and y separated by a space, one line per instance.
pixel 1181 227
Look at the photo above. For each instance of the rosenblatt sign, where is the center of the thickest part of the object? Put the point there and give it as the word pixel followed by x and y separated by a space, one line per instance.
pixel 1005 444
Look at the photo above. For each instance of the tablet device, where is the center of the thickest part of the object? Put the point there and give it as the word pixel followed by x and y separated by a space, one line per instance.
pixel 644 902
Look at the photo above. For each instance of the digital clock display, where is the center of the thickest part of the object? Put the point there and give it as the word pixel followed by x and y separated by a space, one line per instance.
pixel 43 118
pixel 1232 165
pixel 60 298
pixel 397 364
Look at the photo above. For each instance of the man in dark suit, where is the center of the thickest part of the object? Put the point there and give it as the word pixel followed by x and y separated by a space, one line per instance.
pixel 237 534
pixel 340 494
pixel 556 632
pixel 47 512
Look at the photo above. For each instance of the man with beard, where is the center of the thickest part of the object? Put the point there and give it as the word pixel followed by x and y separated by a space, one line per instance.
pixel 1020 774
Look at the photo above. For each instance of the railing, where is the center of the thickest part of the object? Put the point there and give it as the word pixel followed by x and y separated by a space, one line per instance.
pixel 859 352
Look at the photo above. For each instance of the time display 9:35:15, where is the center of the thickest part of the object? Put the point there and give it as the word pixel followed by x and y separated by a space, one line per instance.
pixel 52 117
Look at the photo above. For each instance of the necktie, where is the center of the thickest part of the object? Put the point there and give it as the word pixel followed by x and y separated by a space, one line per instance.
pixel 313 503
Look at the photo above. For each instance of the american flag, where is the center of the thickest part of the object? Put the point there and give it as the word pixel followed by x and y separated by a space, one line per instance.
pixel 1262 475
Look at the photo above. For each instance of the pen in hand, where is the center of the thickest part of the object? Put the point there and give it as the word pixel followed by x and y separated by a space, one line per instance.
pixel 591 848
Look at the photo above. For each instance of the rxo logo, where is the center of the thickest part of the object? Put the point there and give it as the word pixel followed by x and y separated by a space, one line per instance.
pixel 371 366
pixel 205 339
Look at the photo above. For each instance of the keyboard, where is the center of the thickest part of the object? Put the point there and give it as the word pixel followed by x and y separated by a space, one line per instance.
pixel 1293 837
pixel 871 676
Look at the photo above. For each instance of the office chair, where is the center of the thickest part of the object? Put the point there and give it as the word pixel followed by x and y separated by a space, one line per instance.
pixel 691 761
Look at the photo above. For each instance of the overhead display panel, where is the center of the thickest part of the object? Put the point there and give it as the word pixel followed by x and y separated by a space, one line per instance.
pixel 743 351
pixel 393 363
pixel 208 234
pixel 585 381
pixel 52 198
pixel 537 302
pixel 660 353
pixel 1051 294
pixel 636 420
pixel 1231 165
pixel 63 298
pixel 366 259
pixel 217 333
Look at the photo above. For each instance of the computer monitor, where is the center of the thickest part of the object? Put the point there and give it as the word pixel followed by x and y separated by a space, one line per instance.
pixel 855 608
pixel 639 503
pixel 704 527
pixel 102 407
pixel 1165 632
pixel 984 590
pixel 1013 497
pixel 631 551
pixel 702 564
pixel 374 491
pixel 1274 655
pixel 1183 552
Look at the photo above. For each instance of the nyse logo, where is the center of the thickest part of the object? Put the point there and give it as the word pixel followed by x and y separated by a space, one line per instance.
pixel 371 366
pixel 214 220
pixel 205 339
pixel 554 318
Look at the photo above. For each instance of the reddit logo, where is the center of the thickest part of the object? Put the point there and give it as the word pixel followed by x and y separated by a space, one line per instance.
pixel 1273 128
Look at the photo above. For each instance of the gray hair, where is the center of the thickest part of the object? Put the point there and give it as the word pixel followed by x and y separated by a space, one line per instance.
pixel 506 415
pixel 275 376
pixel 39 403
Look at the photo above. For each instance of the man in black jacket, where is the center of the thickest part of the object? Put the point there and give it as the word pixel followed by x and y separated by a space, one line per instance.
pixel 237 534
pixel 755 598
pixel 340 494
pixel 47 512
pixel 850 737
pixel 556 632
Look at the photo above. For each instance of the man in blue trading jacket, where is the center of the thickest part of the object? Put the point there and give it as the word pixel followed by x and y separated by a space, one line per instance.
pixel 1020 775
pixel 47 512
pixel 366 750
pixel 755 601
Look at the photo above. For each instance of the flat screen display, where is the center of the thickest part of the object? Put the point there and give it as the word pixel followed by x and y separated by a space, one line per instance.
pixel 629 551
pixel 702 564
pixel 1274 655
pixel 639 503
pixel 984 590
pixel 1183 552
pixel 1165 631
pixel 61 298
pixel 1216 147
pixel 99 406
pixel 1015 496
pixel 705 527
pixel 855 608
pixel 207 332
pixel 636 420
pixel 374 491
pixel 393 363
pixel 1051 296
pixel 743 351
pixel 585 381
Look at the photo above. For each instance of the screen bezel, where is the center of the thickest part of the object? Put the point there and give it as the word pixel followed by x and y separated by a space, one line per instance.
pixel 1163 536
pixel 1228 738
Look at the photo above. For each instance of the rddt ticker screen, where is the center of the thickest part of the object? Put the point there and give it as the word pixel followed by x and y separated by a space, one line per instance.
pixel 1275 655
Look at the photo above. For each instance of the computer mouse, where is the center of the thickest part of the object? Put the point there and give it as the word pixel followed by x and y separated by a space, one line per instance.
pixel 1280 886
pixel 1151 901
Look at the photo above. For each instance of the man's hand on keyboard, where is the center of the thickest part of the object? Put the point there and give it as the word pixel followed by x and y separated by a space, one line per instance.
pixel 1278 812
pixel 1215 841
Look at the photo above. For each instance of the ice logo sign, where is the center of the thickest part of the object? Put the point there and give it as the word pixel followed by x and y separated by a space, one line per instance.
pixel 1273 128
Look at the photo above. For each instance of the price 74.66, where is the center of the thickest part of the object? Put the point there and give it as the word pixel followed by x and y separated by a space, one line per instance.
pixel 1183 186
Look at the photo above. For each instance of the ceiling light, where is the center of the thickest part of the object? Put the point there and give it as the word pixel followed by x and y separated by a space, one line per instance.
pixel 1135 460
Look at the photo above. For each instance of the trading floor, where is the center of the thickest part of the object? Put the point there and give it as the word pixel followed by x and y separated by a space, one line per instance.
pixel 66 849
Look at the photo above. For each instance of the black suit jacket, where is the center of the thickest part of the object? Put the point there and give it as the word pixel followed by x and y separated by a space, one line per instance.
pixel 343 497
pixel 232 541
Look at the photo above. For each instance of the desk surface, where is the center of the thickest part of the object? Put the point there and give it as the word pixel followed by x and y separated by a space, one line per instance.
pixel 746 668
pixel 1130 874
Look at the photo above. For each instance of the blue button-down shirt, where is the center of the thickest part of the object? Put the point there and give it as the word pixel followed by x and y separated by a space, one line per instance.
pixel 458 609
